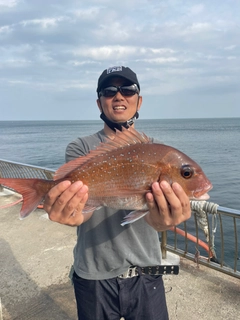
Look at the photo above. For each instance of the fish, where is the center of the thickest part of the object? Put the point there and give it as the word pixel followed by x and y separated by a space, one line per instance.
pixel 119 173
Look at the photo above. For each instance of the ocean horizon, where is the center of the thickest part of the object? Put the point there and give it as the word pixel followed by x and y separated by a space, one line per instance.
pixel 140 119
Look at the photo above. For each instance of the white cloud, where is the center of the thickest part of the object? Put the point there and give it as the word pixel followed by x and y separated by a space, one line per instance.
pixel 199 27
pixel 5 29
pixel 160 60
pixel 81 63
pixel 44 22
pixel 86 14
pixel 106 52
pixel 9 3
pixel 196 9
pixel 15 63
pixel 45 58
pixel 127 52
pixel 162 50
pixel 15 49
pixel 229 48
pixel 17 82
pixel 59 86
pixel 117 31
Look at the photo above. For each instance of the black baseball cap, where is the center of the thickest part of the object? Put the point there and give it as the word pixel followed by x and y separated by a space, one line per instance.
pixel 120 71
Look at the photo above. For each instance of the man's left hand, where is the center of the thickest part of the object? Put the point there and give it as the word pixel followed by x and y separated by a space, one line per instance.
pixel 168 206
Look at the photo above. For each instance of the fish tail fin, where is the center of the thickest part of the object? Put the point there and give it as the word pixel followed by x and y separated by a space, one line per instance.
pixel 32 190
pixel 134 216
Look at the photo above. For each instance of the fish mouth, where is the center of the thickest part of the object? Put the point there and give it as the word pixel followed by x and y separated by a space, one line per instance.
pixel 199 195
pixel 204 196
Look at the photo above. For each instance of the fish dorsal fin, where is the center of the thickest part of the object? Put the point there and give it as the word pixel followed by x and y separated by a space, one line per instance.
pixel 123 138
pixel 127 137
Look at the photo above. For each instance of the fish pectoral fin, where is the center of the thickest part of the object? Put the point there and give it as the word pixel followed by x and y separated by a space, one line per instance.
pixel 88 209
pixel 134 216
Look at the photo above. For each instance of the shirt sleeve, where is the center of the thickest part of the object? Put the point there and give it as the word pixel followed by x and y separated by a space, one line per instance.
pixel 75 149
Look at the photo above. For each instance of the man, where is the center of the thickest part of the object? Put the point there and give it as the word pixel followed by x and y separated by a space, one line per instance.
pixel 107 284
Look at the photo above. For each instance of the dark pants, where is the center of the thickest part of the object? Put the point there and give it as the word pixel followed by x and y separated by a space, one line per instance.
pixel 137 298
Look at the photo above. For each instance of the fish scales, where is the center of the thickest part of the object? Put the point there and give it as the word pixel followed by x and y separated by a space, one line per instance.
pixel 121 177
pixel 124 170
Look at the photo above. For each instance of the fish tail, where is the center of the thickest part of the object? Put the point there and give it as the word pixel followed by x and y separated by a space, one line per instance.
pixel 33 192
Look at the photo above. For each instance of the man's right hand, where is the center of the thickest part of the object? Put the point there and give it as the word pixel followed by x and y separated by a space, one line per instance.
pixel 64 203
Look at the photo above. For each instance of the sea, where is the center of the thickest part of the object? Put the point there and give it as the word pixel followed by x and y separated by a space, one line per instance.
pixel 214 143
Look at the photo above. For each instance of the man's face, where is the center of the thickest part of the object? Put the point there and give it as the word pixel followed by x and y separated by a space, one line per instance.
pixel 119 108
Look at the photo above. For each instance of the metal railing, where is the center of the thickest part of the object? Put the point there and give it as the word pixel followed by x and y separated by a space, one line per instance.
pixel 212 229
pixel 210 237
pixel 10 169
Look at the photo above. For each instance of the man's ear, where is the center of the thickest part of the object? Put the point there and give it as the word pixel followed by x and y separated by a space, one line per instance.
pixel 139 103
pixel 99 105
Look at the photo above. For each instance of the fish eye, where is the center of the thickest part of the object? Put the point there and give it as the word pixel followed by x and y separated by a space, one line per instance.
pixel 186 172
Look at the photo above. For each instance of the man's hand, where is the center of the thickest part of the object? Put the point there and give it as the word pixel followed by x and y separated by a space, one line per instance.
pixel 168 206
pixel 64 203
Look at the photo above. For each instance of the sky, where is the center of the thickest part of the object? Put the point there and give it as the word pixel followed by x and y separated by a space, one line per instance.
pixel 186 55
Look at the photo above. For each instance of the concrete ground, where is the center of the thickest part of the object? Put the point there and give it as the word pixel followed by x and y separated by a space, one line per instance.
pixel 35 259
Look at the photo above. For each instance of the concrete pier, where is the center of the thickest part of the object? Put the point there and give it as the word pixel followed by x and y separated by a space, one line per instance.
pixel 36 256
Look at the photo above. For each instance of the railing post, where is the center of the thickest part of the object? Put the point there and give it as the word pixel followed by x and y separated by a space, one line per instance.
pixel 1 187
pixel 163 244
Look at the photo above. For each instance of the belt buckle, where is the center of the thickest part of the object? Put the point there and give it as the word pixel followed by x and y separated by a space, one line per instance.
pixel 131 272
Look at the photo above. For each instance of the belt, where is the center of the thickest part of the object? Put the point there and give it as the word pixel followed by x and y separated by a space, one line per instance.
pixel 134 271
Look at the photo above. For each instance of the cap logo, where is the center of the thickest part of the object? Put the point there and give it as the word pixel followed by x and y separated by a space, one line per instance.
pixel 114 69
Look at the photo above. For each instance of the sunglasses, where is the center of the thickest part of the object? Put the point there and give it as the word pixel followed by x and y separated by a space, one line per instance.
pixel 127 91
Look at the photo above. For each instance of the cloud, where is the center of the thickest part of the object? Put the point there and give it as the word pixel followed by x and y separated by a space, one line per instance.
pixel 196 9
pixel 151 55
pixel 15 63
pixel 88 14
pixel 5 31
pixel 230 48
pixel 44 23
pixel 176 47
pixel 9 3
pixel 105 52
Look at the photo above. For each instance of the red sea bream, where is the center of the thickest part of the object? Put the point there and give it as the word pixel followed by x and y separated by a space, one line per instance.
pixel 118 174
